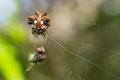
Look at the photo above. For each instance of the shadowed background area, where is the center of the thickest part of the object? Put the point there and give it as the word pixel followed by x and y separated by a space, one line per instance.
pixel 83 41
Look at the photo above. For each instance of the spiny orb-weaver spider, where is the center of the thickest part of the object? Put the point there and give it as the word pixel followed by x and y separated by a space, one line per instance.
pixel 40 23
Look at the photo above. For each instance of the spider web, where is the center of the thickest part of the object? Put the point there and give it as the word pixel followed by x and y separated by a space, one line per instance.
pixel 75 53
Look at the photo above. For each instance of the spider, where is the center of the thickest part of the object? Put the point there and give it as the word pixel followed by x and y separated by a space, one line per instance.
pixel 40 23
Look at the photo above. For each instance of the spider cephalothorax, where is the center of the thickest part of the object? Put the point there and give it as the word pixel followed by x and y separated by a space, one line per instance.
pixel 39 23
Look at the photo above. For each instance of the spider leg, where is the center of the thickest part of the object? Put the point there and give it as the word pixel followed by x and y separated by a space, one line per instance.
pixel 47 32
pixel 44 35
pixel 33 32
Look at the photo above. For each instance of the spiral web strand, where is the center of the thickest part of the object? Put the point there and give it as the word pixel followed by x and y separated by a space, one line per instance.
pixel 86 60
pixel 70 73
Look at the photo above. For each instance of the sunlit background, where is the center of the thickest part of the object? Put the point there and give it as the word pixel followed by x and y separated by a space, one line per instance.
pixel 83 41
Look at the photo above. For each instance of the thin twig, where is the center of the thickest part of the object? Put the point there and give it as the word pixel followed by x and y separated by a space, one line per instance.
pixel 30 67
pixel 70 72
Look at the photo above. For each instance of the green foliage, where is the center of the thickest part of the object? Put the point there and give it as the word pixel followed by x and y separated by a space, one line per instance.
pixel 14 33
pixel 9 65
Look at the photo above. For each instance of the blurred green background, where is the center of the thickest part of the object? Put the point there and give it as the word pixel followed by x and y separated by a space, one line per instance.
pixel 87 34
